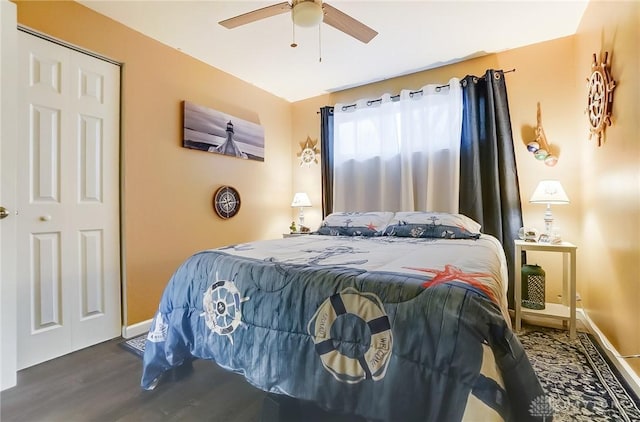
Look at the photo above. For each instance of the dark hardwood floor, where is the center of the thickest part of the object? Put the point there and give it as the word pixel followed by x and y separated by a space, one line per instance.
pixel 102 383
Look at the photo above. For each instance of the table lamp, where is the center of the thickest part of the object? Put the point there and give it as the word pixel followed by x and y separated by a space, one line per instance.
pixel 301 200
pixel 549 192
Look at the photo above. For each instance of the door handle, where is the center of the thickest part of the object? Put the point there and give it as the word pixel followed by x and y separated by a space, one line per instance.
pixel 3 213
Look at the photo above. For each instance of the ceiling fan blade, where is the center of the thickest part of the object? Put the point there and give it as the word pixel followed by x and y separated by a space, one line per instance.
pixel 255 15
pixel 345 23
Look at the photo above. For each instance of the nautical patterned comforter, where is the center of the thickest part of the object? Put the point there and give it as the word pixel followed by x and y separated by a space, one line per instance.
pixel 389 328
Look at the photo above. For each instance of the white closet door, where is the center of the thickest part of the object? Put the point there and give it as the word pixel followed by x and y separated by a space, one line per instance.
pixel 68 200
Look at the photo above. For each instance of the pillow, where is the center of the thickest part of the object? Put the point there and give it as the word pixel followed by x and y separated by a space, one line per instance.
pixel 355 223
pixel 433 225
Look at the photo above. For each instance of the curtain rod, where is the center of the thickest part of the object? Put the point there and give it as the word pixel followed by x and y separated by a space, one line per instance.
pixel 411 94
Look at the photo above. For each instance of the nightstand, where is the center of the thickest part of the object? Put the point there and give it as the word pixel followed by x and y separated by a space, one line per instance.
pixel 565 311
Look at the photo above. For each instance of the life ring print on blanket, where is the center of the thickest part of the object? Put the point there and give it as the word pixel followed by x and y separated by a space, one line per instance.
pixel 373 362
pixel 222 310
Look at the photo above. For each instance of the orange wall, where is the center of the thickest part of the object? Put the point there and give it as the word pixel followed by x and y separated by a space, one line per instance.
pixel 610 179
pixel 306 120
pixel 603 183
pixel 167 189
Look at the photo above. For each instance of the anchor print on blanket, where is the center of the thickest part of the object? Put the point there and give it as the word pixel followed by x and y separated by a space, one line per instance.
pixel 321 255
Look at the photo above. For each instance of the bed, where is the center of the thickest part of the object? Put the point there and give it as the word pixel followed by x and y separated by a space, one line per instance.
pixel 389 316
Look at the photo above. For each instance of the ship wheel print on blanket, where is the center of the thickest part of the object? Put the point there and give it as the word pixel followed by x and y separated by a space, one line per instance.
pixel 451 273
pixel 352 336
pixel 222 307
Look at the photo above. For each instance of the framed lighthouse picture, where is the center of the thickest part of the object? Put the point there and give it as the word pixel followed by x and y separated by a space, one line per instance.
pixel 210 130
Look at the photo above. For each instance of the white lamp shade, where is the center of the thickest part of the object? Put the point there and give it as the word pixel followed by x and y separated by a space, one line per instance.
pixel 307 13
pixel 301 199
pixel 549 192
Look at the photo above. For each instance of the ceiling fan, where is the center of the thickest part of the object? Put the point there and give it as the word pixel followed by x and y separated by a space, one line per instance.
pixel 307 13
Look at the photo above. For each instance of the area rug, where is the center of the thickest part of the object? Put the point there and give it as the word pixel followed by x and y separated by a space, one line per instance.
pixel 579 381
pixel 135 345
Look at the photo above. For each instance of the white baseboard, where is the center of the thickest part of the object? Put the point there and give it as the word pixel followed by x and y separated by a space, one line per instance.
pixel 130 331
pixel 620 363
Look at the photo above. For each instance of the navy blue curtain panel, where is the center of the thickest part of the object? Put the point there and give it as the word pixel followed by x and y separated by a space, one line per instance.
pixel 489 190
pixel 326 159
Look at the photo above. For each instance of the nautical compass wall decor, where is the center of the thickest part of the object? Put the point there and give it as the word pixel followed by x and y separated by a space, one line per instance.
pixel 226 202
pixel 600 97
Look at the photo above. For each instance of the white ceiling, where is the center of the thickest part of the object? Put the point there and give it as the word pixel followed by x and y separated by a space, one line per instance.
pixel 413 36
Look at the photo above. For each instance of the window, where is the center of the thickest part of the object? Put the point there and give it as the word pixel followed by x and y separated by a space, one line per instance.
pixel 402 154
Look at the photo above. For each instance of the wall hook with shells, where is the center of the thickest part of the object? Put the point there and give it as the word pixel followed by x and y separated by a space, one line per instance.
pixel 540 146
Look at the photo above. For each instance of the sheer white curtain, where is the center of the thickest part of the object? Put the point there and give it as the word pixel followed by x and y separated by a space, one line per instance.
pixel 399 155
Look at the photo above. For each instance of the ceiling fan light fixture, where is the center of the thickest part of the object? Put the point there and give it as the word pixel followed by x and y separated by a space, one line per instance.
pixel 307 13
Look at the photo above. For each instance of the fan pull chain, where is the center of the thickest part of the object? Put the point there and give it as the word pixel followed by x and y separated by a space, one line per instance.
pixel 320 43
pixel 293 41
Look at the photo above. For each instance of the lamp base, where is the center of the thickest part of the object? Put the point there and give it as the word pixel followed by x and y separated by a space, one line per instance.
pixel 548 221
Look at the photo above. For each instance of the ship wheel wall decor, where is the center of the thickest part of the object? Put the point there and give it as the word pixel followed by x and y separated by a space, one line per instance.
pixel 600 98
pixel 309 152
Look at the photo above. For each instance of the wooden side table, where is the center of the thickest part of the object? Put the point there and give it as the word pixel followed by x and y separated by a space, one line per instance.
pixel 565 311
